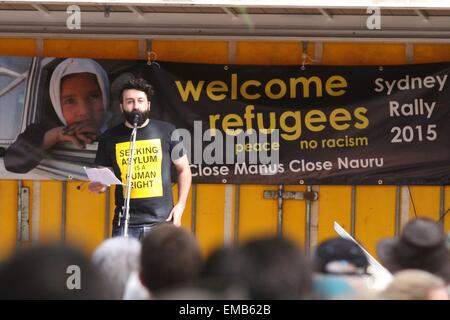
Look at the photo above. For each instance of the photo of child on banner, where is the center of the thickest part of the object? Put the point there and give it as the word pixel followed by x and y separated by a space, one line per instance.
pixel 80 96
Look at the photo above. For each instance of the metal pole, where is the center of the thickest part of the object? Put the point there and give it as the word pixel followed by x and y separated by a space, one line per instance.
pixel 280 211
pixel 64 211
pixel 236 213
pixel 397 211
pixel 353 212
pixel 314 221
pixel 441 205
pixel 228 214
pixel 129 178
pixel 19 214
pixel 308 225
pixel 194 209
pixel 35 218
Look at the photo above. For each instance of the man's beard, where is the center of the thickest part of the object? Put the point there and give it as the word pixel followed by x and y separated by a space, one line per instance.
pixel 140 116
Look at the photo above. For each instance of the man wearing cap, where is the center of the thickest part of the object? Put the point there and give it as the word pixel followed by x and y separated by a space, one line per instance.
pixel 341 269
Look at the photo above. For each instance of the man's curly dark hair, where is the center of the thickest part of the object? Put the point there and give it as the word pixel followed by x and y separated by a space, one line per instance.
pixel 137 84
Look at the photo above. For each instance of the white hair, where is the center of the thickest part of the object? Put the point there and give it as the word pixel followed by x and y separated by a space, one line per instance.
pixel 116 259
pixel 411 284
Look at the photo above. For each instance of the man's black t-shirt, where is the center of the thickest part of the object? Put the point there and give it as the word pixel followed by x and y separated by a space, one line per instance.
pixel 151 190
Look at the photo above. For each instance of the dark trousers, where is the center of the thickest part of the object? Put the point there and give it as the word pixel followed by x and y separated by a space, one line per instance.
pixel 134 231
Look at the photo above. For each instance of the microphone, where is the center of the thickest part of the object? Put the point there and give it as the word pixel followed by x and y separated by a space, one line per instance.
pixel 136 118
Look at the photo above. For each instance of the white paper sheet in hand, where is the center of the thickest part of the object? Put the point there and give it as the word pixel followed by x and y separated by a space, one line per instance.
pixel 103 175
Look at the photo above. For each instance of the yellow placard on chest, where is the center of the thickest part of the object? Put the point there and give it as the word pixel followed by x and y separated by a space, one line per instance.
pixel 146 179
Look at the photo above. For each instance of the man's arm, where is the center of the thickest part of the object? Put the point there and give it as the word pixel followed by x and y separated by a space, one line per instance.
pixel 184 184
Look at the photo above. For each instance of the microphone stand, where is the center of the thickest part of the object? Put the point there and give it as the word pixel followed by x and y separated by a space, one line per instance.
pixel 129 173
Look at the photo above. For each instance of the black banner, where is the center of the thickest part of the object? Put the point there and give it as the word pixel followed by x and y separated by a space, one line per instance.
pixel 336 125
pixel 242 123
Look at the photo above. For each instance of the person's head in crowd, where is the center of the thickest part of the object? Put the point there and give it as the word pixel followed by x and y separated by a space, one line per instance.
pixel 410 284
pixel 170 256
pixel 135 97
pixel 117 258
pixel 340 256
pixel 50 272
pixel 421 245
pixel 221 272
pixel 79 91
pixel 341 268
pixel 275 268
pixel 223 262
pixel 219 279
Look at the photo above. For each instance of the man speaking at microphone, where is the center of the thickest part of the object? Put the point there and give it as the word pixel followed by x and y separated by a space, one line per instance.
pixel 151 189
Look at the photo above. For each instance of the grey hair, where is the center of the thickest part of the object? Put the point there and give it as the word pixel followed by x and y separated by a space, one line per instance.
pixel 117 258
pixel 411 284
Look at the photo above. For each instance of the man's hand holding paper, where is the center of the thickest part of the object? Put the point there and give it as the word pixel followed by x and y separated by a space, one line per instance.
pixel 101 178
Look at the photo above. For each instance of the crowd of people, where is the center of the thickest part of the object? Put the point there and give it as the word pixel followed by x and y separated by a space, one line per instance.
pixel 168 264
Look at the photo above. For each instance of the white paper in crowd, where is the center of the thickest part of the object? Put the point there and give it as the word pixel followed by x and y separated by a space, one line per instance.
pixel 103 175
pixel 382 277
